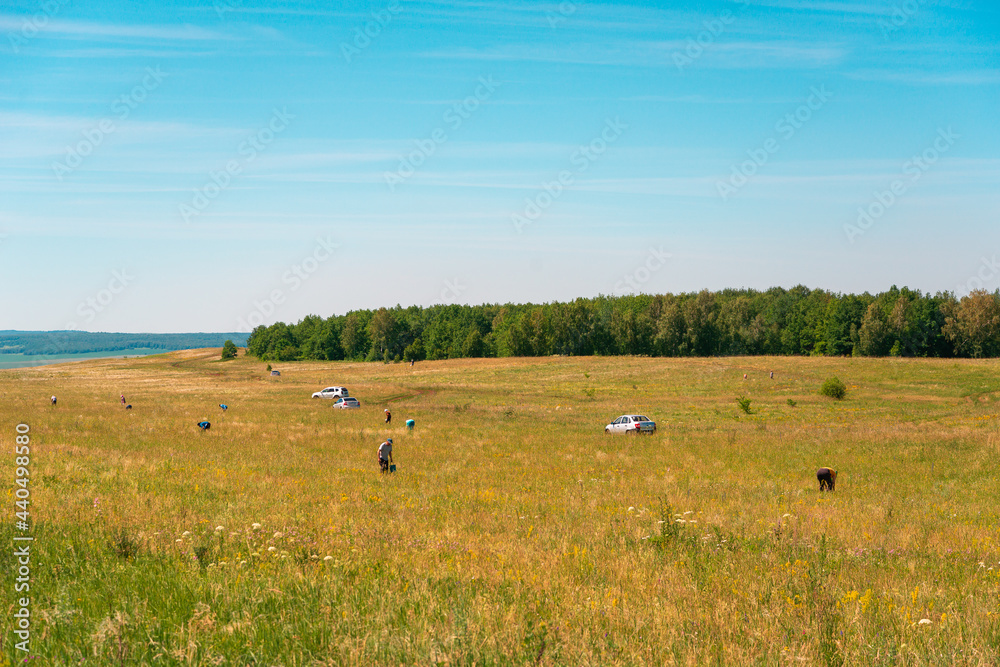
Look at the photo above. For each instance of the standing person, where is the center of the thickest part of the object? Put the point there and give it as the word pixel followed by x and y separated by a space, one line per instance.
pixel 53 400
pixel 388 416
pixel 123 399
pixel 385 455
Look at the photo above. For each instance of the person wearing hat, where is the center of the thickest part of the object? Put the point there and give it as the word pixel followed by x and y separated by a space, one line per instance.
pixel 385 455
pixel 388 416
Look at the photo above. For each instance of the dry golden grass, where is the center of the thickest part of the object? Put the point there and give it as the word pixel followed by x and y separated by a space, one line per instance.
pixel 515 531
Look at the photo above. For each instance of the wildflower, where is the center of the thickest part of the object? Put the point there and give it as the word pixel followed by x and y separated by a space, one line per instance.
pixel 924 621
pixel 328 558
pixel 255 526
pixel 219 529
pixel 271 549
pixel 179 540
pixel 277 536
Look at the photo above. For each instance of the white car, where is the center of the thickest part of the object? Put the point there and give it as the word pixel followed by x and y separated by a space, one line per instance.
pixel 347 403
pixel 331 392
pixel 631 424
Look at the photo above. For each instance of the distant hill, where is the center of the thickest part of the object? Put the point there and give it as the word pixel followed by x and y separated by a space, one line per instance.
pixel 76 342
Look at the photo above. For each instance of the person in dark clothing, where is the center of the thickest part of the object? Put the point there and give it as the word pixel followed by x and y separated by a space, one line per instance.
pixel 827 479
pixel 388 416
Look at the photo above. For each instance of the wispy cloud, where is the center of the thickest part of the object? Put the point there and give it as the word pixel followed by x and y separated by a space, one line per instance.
pixel 965 78
pixel 729 55
pixel 90 30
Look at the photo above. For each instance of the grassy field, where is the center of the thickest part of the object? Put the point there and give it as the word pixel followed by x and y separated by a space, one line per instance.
pixel 514 532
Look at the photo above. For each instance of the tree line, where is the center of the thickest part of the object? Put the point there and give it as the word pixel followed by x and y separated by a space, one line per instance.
pixel 778 321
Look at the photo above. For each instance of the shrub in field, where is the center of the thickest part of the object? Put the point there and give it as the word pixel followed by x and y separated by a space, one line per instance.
pixel 744 404
pixel 792 403
pixel 229 350
pixel 833 388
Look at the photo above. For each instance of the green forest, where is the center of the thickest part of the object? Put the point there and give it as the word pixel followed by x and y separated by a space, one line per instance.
pixel 778 321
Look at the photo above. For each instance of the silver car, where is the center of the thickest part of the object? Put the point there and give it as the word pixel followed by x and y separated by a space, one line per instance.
pixel 346 403
pixel 631 424
pixel 331 392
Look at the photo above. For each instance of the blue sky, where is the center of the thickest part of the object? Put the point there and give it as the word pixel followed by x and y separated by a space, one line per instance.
pixel 200 167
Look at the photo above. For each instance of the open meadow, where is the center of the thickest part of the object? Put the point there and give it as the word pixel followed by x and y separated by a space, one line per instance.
pixel 515 532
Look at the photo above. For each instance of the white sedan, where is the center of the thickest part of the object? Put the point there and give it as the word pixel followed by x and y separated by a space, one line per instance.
pixel 631 424
pixel 347 403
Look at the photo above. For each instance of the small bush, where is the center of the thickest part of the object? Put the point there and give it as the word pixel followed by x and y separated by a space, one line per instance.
pixel 744 404
pixel 833 388
pixel 229 350
pixel 792 403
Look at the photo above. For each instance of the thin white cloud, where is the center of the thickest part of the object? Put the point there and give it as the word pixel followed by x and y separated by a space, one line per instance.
pixel 964 78
pixel 730 55
pixel 91 30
